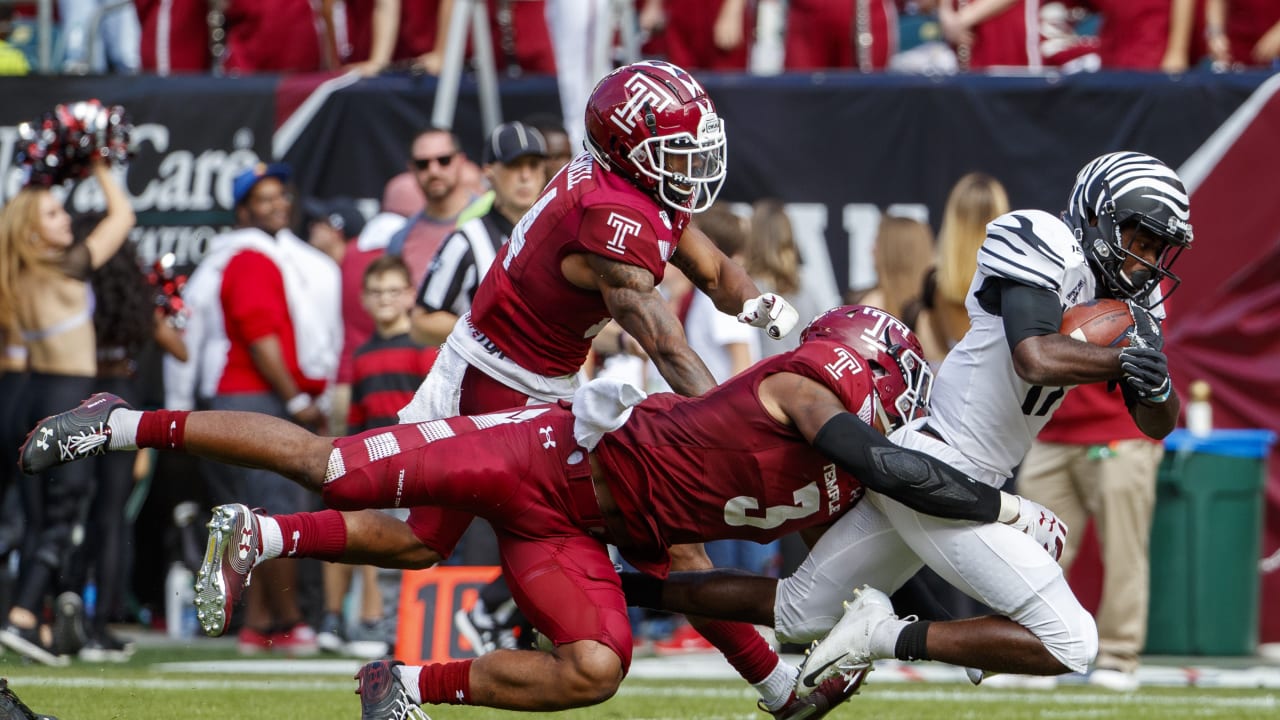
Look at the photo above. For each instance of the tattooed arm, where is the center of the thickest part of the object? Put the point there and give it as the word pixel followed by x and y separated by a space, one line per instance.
pixel 636 304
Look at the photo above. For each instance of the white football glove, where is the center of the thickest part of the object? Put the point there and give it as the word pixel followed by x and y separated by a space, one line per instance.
pixel 771 312
pixel 1042 525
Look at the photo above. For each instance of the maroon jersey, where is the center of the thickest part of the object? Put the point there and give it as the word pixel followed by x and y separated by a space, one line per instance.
pixel 688 470
pixel 526 308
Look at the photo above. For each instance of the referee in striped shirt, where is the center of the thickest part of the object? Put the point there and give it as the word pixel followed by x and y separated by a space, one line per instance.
pixel 514 166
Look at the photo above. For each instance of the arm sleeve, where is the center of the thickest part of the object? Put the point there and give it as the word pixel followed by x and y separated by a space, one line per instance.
pixel 922 483
pixel 1027 311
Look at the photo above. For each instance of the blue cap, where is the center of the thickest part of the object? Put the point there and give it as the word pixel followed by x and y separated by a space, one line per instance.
pixel 243 183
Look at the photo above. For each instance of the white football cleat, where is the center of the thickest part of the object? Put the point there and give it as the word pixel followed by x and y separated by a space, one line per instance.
pixel 847 648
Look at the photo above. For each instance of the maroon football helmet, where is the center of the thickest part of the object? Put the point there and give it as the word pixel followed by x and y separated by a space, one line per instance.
pixel 903 380
pixel 652 123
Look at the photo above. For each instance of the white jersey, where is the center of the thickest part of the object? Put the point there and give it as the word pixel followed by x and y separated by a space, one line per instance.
pixel 979 405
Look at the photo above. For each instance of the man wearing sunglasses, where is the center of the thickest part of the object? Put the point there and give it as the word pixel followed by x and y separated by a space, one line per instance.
pixel 436 160
pixel 514 164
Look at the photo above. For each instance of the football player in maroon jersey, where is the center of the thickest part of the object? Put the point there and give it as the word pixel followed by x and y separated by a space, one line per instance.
pixel 592 248
pixel 787 445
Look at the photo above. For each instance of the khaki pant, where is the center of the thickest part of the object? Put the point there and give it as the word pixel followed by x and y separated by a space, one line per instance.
pixel 1117 488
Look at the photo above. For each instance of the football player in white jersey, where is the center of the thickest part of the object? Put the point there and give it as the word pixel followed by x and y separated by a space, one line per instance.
pixel 1126 223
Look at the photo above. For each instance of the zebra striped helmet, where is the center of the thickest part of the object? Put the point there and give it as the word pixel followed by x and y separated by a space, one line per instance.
pixel 1129 188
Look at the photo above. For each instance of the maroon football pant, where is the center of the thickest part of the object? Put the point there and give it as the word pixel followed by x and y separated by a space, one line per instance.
pixel 510 468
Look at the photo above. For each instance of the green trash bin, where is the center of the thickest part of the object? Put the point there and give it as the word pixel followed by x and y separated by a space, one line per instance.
pixel 1206 541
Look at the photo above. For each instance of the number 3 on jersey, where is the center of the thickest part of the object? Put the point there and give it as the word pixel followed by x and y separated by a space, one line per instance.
pixel 744 510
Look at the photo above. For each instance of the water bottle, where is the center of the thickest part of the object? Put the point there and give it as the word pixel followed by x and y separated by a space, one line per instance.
pixel 1199 411
pixel 179 601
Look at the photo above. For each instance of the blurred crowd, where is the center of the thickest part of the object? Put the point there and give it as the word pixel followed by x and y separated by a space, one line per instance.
pixel 761 36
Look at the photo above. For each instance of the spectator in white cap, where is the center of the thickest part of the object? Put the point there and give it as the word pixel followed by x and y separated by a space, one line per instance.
pixel 514 166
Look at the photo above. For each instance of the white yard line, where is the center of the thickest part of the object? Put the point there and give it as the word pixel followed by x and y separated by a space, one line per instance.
pixel 898 694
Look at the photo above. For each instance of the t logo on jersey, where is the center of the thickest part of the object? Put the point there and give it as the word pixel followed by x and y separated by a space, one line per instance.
pixel 547 441
pixel 845 360
pixel 623 227
pixel 642 91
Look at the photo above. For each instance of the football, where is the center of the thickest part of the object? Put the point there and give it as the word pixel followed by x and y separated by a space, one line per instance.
pixel 1105 322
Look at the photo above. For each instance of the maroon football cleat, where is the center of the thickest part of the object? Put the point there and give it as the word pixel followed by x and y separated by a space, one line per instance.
pixel 229 557
pixel 823 699
pixel 382 695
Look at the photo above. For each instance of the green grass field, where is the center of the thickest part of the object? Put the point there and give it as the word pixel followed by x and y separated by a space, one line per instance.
pixel 139 691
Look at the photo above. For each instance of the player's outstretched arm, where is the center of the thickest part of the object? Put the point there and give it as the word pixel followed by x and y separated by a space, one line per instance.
pixel 914 479
pixel 723 280
pixel 730 287
pixel 636 304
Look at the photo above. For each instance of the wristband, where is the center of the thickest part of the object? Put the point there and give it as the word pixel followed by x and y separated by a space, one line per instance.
pixel 1158 399
pixel 1010 508
pixel 297 404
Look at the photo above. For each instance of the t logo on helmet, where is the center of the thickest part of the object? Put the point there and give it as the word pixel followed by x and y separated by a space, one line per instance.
pixel 642 91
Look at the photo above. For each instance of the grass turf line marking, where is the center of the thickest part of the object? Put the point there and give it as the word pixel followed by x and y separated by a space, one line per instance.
pixel 917 695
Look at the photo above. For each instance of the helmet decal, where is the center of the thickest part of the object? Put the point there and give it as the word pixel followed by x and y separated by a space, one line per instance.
pixel 1130 188
pixel 652 123
pixel 903 379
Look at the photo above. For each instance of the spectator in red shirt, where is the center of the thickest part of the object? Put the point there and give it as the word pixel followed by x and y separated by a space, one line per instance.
pixel 280 36
pixel 822 33
pixel 1243 33
pixel 247 36
pixel 991 33
pixel 175 36
pixel 711 34
pixel 1145 34
pixel 273 289
pixel 390 366
pixel 387 371
pixel 401 198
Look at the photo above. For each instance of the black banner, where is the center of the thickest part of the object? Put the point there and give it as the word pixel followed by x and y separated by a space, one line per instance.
pixel 838 148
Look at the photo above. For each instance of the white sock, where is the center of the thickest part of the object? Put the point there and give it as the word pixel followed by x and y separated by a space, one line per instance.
pixel 775 690
pixel 272 539
pixel 409 679
pixel 884 638
pixel 124 429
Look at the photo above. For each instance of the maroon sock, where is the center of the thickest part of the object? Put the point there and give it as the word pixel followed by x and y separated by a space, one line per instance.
pixel 163 429
pixel 321 535
pixel 743 647
pixel 446 683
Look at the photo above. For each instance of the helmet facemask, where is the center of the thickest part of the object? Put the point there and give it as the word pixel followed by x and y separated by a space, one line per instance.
pixel 911 401
pixel 689 171
pixel 1105 247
